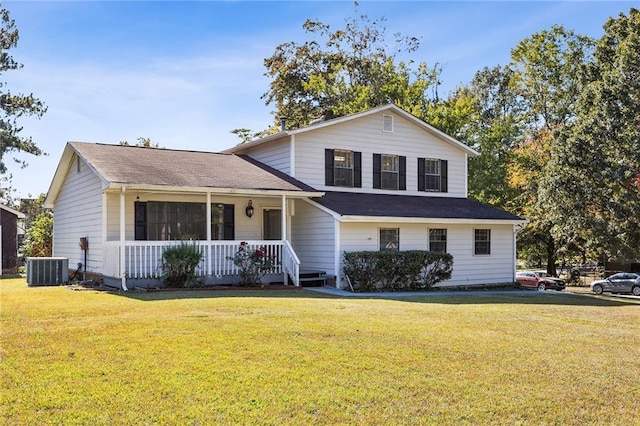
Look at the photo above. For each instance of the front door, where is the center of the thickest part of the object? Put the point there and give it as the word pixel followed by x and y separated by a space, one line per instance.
pixel 272 224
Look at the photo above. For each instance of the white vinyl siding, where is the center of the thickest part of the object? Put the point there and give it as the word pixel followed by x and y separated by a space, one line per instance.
pixel 313 237
pixel 78 213
pixel 275 154
pixel 364 135
pixel 468 269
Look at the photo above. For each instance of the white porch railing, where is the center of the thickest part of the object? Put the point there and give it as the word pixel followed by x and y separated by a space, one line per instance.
pixel 143 259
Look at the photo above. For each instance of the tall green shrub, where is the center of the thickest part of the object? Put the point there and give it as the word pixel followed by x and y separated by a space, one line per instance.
pixel 179 264
pixel 405 270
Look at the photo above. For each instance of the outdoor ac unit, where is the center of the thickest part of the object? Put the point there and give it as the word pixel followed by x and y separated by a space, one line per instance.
pixel 47 271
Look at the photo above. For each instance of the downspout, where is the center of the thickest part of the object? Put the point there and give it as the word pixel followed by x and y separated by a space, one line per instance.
pixel 122 242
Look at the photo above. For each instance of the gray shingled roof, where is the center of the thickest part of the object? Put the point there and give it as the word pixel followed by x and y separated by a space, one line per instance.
pixel 382 205
pixel 166 167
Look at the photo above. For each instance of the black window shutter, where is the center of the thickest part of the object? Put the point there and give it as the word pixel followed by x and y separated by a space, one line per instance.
pixel 140 212
pixel 357 170
pixel 229 222
pixel 328 167
pixel 444 164
pixel 377 170
pixel 402 173
pixel 421 174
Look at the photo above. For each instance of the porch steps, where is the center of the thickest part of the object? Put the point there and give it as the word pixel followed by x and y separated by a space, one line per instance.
pixel 313 278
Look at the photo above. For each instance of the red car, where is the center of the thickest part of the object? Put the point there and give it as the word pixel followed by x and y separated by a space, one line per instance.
pixel 539 280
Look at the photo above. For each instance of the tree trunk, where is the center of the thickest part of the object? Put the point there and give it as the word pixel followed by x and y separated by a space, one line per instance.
pixel 551 256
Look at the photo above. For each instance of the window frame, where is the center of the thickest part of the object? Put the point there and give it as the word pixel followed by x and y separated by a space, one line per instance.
pixel 477 243
pixel 349 159
pixel 395 173
pixel 176 220
pixel 396 239
pixel 433 241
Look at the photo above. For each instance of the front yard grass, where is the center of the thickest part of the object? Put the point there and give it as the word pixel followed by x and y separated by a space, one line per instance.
pixel 298 357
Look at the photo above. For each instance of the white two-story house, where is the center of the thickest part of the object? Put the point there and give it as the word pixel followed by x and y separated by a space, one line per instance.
pixel 377 180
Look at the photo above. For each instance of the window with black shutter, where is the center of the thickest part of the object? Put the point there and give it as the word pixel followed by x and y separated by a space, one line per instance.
pixel 343 168
pixel 432 175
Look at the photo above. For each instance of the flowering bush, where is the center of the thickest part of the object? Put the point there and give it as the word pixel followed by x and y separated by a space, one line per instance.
pixel 253 264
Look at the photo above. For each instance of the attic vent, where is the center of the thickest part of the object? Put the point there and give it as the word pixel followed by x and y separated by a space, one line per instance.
pixel 387 123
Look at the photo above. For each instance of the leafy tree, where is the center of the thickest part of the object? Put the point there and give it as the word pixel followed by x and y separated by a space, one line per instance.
pixel 39 228
pixel 597 163
pixel 546 76
pixel 345 71
pixel 14 106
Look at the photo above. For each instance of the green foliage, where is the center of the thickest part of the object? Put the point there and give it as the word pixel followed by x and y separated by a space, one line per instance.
pixel 406 270
pixel 142 142
pixel 179 263
pixel 38 225
pixel 345 71
pixel 253 264
pixel 39 237
pixel 13 106
pixel 595 164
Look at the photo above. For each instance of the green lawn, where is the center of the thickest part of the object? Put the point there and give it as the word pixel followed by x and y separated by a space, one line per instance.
pixel 297 357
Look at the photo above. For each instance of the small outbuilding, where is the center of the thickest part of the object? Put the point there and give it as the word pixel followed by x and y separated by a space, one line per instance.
pixel 9 231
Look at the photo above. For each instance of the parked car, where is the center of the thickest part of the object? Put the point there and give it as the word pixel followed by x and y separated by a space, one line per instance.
pixel 539 280
pixel 623 282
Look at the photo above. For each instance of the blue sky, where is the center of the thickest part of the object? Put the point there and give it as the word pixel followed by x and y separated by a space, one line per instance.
pixel 187 73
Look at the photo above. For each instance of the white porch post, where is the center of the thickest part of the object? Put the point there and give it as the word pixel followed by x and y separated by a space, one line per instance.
pixel 209 267
pixel 284 233
pixel 123 253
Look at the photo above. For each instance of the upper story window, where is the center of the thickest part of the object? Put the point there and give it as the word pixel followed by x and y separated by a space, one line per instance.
pixel 343 168
pixel 438 240
pixel 387 123
pixel 432 175
pixel 389 239
pixel 389 171
pixel 482 241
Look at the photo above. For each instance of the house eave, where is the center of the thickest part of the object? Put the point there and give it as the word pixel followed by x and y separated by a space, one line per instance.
pixel 201 190
pixel 438 220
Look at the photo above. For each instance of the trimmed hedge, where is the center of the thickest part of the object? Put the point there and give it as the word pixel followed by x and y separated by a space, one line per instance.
pixel 396 271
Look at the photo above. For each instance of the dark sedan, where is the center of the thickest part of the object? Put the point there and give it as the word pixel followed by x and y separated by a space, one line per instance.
pixel 539 280
pixel 624 282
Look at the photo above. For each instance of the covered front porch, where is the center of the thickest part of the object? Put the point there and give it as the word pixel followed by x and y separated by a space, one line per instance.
pixel 141 261
pixel 140 224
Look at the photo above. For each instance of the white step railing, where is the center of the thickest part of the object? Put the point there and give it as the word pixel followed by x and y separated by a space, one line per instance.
pixel 143 259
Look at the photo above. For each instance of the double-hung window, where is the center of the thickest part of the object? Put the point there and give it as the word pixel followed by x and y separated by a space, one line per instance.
pixel 343 168
pixel 389 239
pixel 389 171
pixel 438 240
pixel 432 175
pixel 482 241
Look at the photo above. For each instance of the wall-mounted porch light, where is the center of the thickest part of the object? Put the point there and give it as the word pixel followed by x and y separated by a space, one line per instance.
pixel 249 210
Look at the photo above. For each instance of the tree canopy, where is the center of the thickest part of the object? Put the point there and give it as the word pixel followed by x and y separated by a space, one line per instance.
pixel 347 70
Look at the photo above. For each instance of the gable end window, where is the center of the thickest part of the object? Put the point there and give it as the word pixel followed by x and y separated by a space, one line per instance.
pixel 438 240
pixel 482 242
pixel 387 123
pixel 389 172
pixel 389 239
pixel 433 175
pixel 343 168
pixel 170 221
